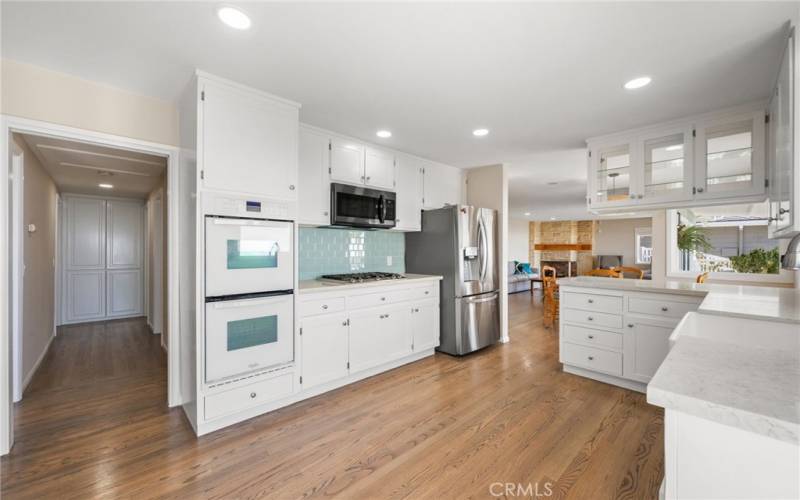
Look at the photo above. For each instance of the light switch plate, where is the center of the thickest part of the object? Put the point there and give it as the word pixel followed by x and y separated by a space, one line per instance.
pixel 388 260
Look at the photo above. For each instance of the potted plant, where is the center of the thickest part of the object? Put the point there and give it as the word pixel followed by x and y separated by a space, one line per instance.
pixel 692 239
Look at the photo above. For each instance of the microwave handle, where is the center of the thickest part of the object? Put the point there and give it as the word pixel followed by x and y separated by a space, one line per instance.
pixel 382 209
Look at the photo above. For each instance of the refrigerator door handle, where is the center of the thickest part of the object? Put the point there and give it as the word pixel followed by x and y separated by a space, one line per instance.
pixel 484 245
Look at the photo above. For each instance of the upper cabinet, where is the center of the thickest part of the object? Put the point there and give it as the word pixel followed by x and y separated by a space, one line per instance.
pixel 442 185
pixel 247 140
pixel 347 161
pixel 314 190
pixel 782 155
pixel 711 159
pixel 379 169
pixel 409 193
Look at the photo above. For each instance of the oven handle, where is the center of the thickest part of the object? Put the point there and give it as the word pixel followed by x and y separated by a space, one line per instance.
pixel 249 222
pixel 231 304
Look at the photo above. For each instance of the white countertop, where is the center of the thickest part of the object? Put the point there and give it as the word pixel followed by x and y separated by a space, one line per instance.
pixel 759 302
pixel 740 366
pixel 318 286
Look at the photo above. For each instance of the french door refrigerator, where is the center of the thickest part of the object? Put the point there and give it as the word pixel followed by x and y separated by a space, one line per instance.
pixel 459 242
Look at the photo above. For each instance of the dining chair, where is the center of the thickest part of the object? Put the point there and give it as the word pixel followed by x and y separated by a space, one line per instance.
pixel 550 305
pixel 605 273
pixel 622 270
pixel 701 278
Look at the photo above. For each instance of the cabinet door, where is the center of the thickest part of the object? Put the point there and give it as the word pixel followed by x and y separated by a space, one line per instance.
pixel 347 161
pixel 611 175
pixel 730 157
pixel 781 146
pixel 442 185
pixel 645 345
pixel 409 193
pixel 666 169
pixel 124 234
pixel 314 183
pixel 324 349
pixel 425 326
pixel 379 169
pixel 379 336
pixel 248 142
pixel 124 293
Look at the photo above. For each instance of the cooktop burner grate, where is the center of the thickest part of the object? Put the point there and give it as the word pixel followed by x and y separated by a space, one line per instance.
pixel 361 277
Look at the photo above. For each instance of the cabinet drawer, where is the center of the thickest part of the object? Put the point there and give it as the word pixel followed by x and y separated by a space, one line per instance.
pixel 379 299
pixel 587 336
pixel 591 302
pixel 245 397
pixel 592 358
pixel 657 307
pixel 428 292
pixel 591 318
pixel 321 306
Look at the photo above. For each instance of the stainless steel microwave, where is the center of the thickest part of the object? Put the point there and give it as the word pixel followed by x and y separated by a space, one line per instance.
pixel 362 207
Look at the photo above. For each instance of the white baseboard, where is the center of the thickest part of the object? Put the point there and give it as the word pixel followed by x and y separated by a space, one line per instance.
pixel 29 376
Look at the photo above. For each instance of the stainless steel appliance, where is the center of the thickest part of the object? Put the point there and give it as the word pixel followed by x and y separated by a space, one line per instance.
pixel 249 287
pixel 460 243
pixel 361 277
pixel 362 207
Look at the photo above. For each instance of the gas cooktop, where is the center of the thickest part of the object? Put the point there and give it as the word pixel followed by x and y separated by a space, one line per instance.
pixel 361 277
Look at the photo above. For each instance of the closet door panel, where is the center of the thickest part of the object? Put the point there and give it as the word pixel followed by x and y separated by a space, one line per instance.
pixel 124 295
pixel 86 228
pixel 124 234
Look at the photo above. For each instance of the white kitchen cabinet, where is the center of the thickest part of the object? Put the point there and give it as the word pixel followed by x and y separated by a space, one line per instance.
pixel 314 192
pixel 347 161
pixel 379 169
pixel 645 345
pixel 711 159
pixel 409 193
pixel 425 325
pixel 730 157
pixel 378 336
pixel 442 185
pixel 784 183
pixel 324 345
pixel 247 140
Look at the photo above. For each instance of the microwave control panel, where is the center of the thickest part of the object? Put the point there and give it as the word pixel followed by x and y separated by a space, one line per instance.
pixel 257 208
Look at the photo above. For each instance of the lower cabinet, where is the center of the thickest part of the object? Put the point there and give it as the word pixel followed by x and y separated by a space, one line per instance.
pixel 378 336
pixel 323 340
pixel 646 344
pixel 425 326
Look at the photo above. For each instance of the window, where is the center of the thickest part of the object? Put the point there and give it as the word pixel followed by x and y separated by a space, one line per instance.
pixel 730 241
pixel 644 245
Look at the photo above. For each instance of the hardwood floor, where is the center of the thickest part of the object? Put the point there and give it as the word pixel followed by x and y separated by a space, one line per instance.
pixel 94 423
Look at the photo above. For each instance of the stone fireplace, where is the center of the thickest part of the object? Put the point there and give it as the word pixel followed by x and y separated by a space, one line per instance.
pixel 564 268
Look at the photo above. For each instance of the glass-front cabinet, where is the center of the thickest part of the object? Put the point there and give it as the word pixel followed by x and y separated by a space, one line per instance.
pixel 712 159
pixel 784 187
pixel 729 158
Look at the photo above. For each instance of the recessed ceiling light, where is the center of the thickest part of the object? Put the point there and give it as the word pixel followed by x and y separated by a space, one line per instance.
pixel 527 213
pixel 674 147
pixel 638 82
pixel 480 132
pixel 105 186
pixel 233 17
pixel 552 218
pixel 383 134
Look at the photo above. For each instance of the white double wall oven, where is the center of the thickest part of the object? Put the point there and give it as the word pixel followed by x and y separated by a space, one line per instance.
pixel 249 287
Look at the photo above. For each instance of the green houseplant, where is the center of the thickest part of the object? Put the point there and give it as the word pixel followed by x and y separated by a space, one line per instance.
pixel 692 238
pixel 757 261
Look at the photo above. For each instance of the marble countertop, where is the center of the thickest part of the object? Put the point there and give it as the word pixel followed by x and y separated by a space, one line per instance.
pixel 317 286
pixel 753 388
pixel 758 302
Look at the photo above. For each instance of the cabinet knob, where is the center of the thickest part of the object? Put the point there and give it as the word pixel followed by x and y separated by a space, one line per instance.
pixel 324 306
pixel 252 394
pixel 591 358
pixel 367 177
pixel 633 196
pixel 427 292
pixel 665 308
pixel 640 196
pixel 386 316
pixel 291 187
pixel 630 325
pixel 383 298
pixel 591 301
pixel 344 323
pixel 784 211
pixel 590 318
pixel 700 190
pixel 325 214
pixel 590 336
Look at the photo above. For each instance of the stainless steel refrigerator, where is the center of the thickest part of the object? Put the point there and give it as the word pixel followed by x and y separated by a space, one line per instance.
pixel 460 243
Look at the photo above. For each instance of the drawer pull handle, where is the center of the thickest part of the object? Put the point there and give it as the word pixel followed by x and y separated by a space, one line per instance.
pixel 386 316
pixel 590 318
pixel 591 336
pixel 252 394
pixel 591 358
pixel 591 301
pixel 344 323
pixel 383 298
pixel 324 306
pixel 427 292
pixel 630 325
pixel 664 308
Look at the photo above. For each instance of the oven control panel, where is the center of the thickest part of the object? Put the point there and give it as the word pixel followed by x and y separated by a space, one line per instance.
pixel 258 208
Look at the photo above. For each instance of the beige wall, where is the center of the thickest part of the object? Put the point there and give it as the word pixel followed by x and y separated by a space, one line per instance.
pixel 518 240
pixel 41 94
pixel 160 190
pixel 40 201
pixel 487 187
pixel 617 237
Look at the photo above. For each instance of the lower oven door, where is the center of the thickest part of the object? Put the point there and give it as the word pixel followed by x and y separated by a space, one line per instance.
pixel 245 335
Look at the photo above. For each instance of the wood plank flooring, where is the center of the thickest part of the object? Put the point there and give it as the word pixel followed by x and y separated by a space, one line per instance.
pixel 94 423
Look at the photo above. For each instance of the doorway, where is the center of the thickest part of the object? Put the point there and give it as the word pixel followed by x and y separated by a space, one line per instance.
pixel 68 270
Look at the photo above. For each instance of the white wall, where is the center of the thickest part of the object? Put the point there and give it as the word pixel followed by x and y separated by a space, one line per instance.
pixel 39 253
pixel 518 240
pixel 41 94
pixel 487 187
pixel 617 237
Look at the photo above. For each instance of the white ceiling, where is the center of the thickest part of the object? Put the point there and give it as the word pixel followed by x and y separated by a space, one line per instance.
pixel 78 167
pixel 541 76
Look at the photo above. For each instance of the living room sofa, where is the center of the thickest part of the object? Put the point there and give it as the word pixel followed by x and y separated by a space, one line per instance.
pixel 519 281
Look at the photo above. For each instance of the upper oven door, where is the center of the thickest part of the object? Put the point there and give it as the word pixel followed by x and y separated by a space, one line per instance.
pixel 362 207
pixel 248 256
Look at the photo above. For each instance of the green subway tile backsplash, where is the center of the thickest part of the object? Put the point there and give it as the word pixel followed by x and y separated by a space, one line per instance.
pixel 336 251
